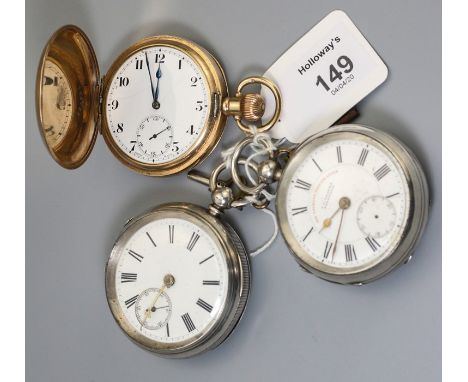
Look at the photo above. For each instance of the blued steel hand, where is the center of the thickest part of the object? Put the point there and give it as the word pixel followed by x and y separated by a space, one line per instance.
pixel 156 104
pixel 151 78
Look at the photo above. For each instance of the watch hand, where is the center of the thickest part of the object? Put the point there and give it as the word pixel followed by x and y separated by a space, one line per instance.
pixel 151 78
pixel 168 281
pixel 343 203
pixel 328 221
pixel 156 104
pixel 148 311
pixel 338 233
pixel 155 135
pixel 160 307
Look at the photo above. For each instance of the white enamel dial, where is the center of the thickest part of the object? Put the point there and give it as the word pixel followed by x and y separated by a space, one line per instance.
pixel 171 280
pixel 348 203
pixel 154 136
pixel 152 85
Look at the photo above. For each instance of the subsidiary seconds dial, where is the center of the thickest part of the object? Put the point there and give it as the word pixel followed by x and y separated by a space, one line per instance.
pixel 154 138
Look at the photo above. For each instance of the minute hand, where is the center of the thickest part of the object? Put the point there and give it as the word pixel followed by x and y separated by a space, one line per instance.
pixel 151 78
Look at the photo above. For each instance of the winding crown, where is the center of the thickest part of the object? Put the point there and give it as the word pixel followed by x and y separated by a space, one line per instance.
pixel 249 106
pixel 252 107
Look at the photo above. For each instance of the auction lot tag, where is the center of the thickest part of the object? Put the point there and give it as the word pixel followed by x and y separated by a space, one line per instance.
pixel 323 75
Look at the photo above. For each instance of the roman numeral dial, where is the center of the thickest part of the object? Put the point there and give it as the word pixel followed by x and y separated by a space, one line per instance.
pixel 172 278
pixel 343 166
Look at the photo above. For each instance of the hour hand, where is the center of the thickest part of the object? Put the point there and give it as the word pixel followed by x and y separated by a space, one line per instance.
pixel 156 104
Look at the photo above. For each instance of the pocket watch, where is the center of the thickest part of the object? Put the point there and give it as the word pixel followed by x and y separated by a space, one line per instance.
pixel 352 203
pixel 161 107
pixel 177 280
pixel 178 277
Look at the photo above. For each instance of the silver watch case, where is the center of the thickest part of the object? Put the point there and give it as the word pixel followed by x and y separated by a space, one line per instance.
pixel 418 208
pixel 238 280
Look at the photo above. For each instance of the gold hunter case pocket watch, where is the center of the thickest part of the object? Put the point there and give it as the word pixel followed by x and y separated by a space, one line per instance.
pixel 352 203
pixel 177 280
pixel 161 107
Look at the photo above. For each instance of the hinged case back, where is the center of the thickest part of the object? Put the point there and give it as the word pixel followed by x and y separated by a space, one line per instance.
pixel 67 96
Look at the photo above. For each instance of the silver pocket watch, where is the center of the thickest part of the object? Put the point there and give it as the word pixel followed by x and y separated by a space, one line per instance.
pixel 352 202
pixel 178 276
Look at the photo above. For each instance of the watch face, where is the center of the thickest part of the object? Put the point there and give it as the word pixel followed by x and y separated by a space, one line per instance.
pixel 171 281
pixel 157 105
pixel 57 104
pixel 347 203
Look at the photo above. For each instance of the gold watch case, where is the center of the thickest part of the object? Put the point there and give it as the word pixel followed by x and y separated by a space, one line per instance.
pixel 71 51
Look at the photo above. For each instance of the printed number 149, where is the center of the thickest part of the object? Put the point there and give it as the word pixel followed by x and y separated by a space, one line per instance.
pixel 344 63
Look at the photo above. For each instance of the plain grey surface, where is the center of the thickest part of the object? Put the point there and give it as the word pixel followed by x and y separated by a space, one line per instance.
pixel 296 327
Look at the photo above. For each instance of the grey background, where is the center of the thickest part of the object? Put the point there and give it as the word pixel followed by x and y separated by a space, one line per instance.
pixel 296 326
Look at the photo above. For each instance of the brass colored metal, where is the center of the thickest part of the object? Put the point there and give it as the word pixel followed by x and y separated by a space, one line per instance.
pixel 169 280
pixel 69 114
pixel 71 111
pixel 213 129
pixel 256 107
pixel 249 106
pixel 344 203
pixel 71 52
pixel 327 223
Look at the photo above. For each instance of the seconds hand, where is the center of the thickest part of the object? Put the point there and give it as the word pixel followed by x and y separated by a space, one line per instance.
pixel 156 134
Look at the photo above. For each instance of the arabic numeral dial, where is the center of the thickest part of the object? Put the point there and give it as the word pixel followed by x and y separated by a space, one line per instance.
pixel 153 85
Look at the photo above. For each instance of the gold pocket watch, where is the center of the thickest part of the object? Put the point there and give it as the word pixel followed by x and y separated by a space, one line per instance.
pixel 161 107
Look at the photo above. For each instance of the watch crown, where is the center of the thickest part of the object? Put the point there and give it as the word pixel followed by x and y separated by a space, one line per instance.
pixel 250 106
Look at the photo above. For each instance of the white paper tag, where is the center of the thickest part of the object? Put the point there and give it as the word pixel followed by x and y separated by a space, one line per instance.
pixel 323 75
